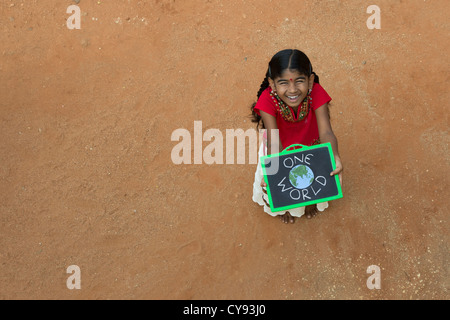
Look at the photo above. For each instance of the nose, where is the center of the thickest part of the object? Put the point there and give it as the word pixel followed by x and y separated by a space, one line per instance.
pixel 292 88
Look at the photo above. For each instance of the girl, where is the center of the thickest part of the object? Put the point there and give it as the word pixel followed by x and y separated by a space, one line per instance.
pixel 292 100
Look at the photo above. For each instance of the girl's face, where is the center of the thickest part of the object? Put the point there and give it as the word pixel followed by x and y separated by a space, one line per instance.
pixel 292 87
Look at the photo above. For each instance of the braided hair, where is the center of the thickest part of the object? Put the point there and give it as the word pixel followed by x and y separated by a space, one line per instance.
pixel 288 59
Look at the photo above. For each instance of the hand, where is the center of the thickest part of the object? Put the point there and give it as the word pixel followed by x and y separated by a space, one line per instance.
pixel 263 183
pixel 339 168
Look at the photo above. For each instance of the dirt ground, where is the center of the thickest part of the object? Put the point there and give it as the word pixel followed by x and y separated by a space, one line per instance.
pixel 86 176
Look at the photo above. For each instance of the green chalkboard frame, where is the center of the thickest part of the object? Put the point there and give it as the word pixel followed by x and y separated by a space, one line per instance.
pixel 303 204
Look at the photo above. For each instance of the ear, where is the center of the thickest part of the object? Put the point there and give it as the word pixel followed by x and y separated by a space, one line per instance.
pixel 311 81
pixel 272 84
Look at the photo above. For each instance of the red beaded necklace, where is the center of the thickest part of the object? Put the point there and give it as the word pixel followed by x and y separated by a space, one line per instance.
pixel 286 112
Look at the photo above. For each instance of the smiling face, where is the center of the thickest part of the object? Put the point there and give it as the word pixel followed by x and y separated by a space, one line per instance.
pixel 292 87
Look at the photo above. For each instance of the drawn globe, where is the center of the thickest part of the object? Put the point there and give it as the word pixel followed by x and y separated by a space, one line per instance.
pixel 301 176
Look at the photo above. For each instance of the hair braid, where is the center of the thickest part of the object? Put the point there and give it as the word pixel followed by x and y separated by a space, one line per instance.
pixel 256 118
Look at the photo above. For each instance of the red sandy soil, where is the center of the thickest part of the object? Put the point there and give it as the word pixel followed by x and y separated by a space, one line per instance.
pixel 86 172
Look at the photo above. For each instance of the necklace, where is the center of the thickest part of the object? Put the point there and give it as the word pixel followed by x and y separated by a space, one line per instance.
pixel 286 112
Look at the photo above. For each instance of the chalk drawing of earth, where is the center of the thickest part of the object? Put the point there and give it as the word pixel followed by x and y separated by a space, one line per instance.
pixel 301 176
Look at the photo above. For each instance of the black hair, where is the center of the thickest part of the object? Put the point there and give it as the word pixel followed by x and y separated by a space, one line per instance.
pixel 288 59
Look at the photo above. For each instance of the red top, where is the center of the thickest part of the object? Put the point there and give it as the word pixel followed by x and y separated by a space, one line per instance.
pixel 303 132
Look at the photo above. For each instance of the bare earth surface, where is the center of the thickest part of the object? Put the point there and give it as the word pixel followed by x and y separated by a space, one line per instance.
pixel 86 176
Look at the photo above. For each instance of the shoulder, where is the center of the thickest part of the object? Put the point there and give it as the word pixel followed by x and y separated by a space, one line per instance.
pixel 319 96
pixel 265 96
pixel 318 90
pixel 265 103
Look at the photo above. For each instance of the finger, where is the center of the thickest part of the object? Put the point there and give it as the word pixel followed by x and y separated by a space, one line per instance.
pixel 338 170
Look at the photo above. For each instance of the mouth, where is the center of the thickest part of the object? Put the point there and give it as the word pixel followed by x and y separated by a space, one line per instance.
pixel 293 99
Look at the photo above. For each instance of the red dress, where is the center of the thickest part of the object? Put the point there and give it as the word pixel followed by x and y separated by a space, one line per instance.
pixel 304 132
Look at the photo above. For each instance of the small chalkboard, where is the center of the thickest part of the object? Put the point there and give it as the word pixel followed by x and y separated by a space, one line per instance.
pixel 300 177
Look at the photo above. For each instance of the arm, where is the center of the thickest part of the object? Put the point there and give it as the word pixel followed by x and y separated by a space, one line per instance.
pixel 270 123
pixel 326 135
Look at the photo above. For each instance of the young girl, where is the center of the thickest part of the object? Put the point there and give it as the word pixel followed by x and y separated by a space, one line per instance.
pixel 292 100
